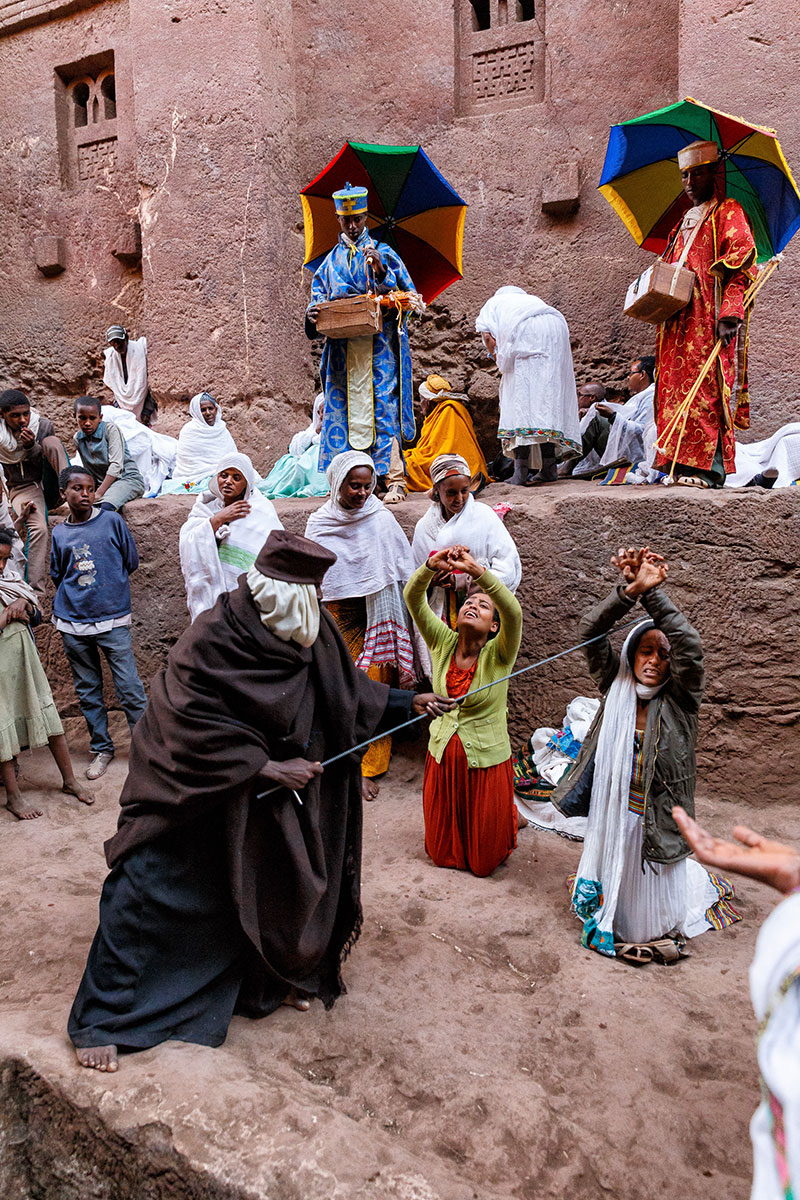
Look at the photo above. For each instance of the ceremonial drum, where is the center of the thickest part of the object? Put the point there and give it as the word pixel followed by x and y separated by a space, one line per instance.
pixel 659 292
pixel 350 317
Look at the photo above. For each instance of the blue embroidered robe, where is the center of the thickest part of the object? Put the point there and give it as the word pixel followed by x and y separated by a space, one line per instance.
pixel 344 273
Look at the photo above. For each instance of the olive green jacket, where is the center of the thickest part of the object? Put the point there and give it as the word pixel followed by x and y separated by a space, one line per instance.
pixel 480 721
pixel 670 732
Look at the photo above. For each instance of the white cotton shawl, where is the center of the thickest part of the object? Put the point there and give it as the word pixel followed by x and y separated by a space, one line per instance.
pixel 603 858
pixel 201 446
pixel 370 547
pixel 777 959
pixel 154 453
pixel 780 453
pixel 13 587
pixel 311 435
pixel 479 529
pixel 10 449
pixel 506 316
pixel 626 436
pixel 290 610
pixel 131 394
pixel 212 564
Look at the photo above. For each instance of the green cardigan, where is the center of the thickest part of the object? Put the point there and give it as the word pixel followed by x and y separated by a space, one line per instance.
pixel 480 723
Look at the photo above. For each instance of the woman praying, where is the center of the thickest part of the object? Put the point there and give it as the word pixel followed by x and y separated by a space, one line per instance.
pixel 28 715
pixel 636 891
pixel 468 790
pixel 455 517
pixel 202 442
pixel 224 532
pixel 363 589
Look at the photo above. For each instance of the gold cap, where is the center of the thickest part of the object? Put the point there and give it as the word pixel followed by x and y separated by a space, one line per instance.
pixel 696 154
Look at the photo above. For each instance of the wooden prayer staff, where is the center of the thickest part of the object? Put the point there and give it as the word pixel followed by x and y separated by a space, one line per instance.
pixel 682 413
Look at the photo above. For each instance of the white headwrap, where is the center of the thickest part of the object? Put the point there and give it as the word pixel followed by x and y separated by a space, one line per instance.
pixel 290 610
pixel 311 434
pixel 370 547
pixel 603 857
pixel 236 462
pixel 200 445
pixel 13 587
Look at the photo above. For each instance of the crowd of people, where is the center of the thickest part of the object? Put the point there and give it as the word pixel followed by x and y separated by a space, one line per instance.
pixel 306 656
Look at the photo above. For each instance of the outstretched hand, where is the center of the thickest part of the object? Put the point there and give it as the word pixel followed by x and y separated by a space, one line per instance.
pixel 641 569
pixel 773 863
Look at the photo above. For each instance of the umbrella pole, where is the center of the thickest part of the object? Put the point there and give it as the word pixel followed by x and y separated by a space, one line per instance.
pixel 682 413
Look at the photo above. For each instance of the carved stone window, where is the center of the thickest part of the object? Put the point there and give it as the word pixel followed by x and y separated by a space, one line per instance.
pixel 500 54
pixel 86 117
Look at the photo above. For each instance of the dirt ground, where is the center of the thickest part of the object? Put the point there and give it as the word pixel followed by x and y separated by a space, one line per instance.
pixel 480 1052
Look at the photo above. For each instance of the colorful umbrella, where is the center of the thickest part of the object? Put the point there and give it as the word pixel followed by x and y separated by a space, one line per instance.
pixel 642 183
pixel 411 206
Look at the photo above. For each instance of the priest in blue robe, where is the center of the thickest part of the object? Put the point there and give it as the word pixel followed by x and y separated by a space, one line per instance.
pixel 366 380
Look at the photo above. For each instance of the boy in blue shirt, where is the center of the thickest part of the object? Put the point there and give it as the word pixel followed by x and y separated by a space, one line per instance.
pixel 91 558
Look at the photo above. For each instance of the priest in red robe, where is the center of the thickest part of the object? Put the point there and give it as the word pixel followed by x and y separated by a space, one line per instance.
pixel 722 255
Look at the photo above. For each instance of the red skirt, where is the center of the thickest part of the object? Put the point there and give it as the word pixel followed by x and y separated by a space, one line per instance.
pixel 470 815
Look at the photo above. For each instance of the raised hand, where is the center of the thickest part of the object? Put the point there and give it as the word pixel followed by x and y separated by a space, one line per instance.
pixel 466 563
pixel 773 863
pixel 627 562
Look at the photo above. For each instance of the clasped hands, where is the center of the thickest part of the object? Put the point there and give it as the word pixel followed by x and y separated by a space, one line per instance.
pixel 641 569
pixel 17 610
pixel 453 558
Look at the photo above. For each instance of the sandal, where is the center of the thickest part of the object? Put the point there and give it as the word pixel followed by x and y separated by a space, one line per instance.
pixel 395 495
pixel 693 481
pixel 630 952
pixel 668 950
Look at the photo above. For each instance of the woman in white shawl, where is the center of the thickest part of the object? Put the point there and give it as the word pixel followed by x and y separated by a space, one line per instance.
pixel 363 590
pixel 202 442
pixel 297 473
pixel 224 532
pixel 538 400
pixel 775 993
pixel 456 518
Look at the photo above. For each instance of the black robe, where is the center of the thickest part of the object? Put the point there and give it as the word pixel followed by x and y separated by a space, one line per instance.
pixel 218 898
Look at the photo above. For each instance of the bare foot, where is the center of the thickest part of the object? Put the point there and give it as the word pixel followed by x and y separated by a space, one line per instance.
pixel 298 1000
pixel 99 1058
pixel 73 788
pixel 522 822
pixel 21 810
pixel 369 789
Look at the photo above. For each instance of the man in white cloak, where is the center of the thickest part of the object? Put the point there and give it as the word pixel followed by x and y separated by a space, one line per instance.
pixel 126 374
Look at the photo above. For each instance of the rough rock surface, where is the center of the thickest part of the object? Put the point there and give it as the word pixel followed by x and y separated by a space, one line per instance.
pixel 733 569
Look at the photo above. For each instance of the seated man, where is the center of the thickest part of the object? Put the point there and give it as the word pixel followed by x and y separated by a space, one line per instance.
pixel 105 454
pixel 447 429
pixel 615 434
pixel 32 458
pixel 594 427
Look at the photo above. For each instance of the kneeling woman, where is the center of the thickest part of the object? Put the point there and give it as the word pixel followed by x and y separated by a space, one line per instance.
pixel 224 532
pixel 468 793
pixel 636 891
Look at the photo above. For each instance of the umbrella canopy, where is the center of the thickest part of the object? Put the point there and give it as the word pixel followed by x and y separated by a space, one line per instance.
pixel 411 207
pixel 642 183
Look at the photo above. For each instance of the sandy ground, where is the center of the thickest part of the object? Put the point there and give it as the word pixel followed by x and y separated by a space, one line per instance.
pixel 480 1051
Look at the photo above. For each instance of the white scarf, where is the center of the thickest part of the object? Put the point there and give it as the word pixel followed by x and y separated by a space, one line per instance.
pixel 506 316
pixel 13 587
pixel 780 453
pixel 10 449
pixel 212 565
pixel 201 446
pixel 311 435
pixel 290 610
pixel 479 529
pixel 128 394
pixel 603 855
pixel 370 547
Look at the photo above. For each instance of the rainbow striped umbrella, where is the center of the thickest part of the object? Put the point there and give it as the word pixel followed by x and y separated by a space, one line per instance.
pixel 411 206
pixel 642 183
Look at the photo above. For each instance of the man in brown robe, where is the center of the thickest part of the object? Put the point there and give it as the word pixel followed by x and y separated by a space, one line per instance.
pixel 227 893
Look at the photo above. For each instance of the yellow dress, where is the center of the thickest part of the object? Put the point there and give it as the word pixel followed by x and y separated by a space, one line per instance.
pixel 351 617
pixel 446 430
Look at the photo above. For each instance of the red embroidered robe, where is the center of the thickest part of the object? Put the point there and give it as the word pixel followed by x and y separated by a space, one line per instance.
pixel 722 257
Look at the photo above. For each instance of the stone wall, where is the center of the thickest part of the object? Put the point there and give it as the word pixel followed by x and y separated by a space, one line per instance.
pixel 733 569
pixel 183 221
